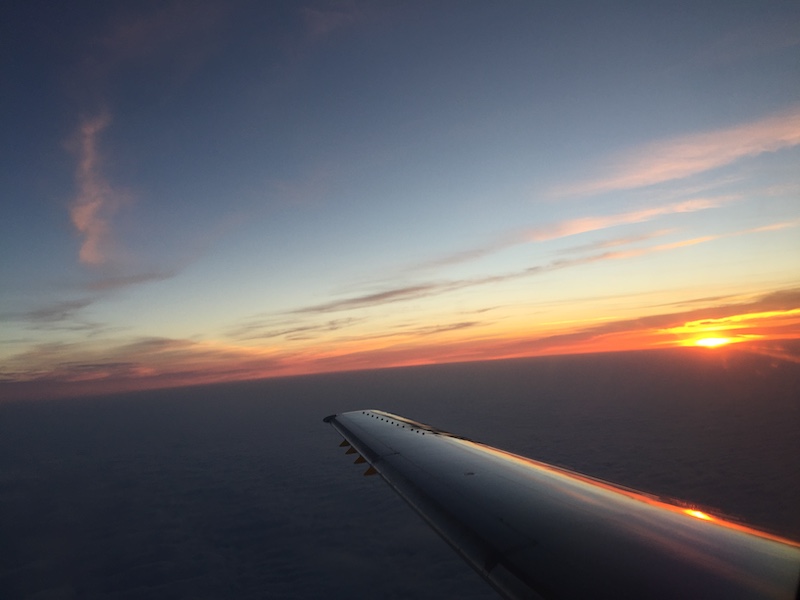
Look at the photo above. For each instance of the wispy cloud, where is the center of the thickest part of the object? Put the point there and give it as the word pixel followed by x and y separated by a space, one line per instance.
pixel 322 21
pixel 635 252
pixel 291 329
pixel 576 226
pixel 595 223
pixel 412 331
pixel 58 311
pixel 427 289
pixel 385 297
pixel 171 24
pixel 692 154
pixel 776 226
pixel 437 329
pixel 615 242
pixel 121 281
pixel 64 315
pixel 432 288
pixel 758 38
pixel 178 35
pixel 96 201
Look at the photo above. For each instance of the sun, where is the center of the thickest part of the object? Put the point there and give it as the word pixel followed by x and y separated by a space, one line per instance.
pixel 713 342
pixel 698 514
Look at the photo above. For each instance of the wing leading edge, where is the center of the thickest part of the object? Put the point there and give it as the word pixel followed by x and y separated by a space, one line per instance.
pixel 537 531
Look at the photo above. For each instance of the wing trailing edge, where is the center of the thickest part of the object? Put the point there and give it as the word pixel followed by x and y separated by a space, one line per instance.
pixel 536 531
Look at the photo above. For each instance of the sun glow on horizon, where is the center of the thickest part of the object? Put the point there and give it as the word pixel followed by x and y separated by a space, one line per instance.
pixel 713 342
pixel 698 514
pixel 736 328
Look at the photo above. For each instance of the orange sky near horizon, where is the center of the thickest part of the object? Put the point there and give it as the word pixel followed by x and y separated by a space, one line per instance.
pixel 164 363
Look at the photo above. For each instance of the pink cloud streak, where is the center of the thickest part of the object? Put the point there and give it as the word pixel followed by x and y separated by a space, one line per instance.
pixel 96 201
pixel 587 224
pixel 569 227
pixel 692 154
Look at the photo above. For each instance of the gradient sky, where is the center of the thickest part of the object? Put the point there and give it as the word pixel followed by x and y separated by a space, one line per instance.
pixel 197 191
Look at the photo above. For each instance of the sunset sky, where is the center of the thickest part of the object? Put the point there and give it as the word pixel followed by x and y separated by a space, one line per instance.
pixel 200 191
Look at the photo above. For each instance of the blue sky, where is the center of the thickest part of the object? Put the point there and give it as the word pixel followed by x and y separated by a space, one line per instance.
pixel 215 190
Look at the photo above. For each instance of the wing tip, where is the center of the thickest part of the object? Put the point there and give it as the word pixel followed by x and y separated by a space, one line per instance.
pixel 329 418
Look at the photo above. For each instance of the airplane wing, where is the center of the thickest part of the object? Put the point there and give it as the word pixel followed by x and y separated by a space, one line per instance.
pixel 533 530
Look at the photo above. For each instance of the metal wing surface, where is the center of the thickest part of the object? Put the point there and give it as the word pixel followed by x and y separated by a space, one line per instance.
pixel 537 531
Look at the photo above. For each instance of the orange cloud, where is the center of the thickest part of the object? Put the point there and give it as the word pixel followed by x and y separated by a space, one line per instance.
pixel 692 154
